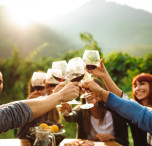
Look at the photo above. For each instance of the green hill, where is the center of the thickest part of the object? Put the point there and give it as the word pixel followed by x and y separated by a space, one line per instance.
pixel 28 40
pixel 115 27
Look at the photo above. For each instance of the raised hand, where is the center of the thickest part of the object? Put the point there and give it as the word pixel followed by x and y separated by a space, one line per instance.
pixel 69 92
pixel 58 88
pixel 92 86
pixel 100 71
pixel 36 94
pixel 65 108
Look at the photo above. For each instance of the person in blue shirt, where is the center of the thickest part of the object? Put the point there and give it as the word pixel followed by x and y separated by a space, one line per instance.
pixel 131 110
pixel 141 92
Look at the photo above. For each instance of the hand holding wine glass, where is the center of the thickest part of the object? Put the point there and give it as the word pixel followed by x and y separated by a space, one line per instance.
pixel 100 71
pixel 91 59
pixel 86 92
pixel 66 108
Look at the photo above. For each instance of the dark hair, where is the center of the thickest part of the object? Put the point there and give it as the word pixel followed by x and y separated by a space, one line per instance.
pixel 87 113
pixel 143 77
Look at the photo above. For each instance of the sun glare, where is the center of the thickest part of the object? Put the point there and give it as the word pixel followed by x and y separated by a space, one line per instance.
pixel 20 17
pixel 26 11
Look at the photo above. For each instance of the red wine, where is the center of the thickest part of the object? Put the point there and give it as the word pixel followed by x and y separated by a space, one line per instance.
pixel 78 78
pixel 52 85
pixel 59 79
pixel 38 87
pixel 91 66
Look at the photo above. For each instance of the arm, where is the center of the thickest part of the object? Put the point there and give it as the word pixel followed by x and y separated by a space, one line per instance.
pixel 17 114
pixel 101 72
pixel 128 109
pixel 41 105
pixel 14 115
pixel 131 110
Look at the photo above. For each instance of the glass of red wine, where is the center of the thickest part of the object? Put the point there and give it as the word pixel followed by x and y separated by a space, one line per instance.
pixel 75 72
pixel 50 79
pixel 91 59
pixel 59 70
pixel 37 81
pixel 50 82
pixel 75 69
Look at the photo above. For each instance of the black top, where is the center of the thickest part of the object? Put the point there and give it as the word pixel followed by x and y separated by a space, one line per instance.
pixel 119 123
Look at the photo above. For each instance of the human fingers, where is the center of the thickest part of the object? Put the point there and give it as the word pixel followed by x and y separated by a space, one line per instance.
pixel 58 88
pixel 101 62
pixel 69 92
pixel 65 106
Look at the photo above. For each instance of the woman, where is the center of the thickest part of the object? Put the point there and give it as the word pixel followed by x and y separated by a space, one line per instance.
pixel 139 114
pixel 142 93
pixel 97 123
pixel 139 136
pixel 51 117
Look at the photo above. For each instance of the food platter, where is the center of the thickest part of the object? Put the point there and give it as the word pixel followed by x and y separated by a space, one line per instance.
pixel 67 142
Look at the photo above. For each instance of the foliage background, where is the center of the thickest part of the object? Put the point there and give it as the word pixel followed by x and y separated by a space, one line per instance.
pixel 17 71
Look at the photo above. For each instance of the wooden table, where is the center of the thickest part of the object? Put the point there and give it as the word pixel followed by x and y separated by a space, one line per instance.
pixel 108 143
pixel 14 142
pixel 25 142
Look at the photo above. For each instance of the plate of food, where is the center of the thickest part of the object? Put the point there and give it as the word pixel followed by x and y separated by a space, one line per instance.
pixel 80 142
pixel 59 132
pixel 55 129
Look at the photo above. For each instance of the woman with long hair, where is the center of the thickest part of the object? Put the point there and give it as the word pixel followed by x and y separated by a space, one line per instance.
pixel 97 123
pixel 141 92
pixel 51 117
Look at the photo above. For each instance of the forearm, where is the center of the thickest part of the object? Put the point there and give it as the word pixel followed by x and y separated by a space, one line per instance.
pixel 110 84
pixel 131 110
pixel 41 105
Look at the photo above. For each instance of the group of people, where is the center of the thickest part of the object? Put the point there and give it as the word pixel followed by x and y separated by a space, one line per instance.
pixel 102 122
pixel 107 120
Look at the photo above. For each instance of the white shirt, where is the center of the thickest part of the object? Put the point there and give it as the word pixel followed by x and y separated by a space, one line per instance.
pixel 104 127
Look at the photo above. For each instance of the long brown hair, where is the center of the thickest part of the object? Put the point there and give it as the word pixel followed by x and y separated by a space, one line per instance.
pixel 140 78
pixel 87 113
pixel 53 115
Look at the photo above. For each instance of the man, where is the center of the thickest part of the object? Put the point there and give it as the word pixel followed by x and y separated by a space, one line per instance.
pixel 16 114
pixel 1 81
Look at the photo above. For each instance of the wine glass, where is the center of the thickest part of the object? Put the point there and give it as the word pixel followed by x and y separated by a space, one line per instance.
pixel 91 59
pixel 50 79
pixel 75 69
pixel 50 82
pixel 75 73
pixel 86 94
pixel 37 80
pixel 59 70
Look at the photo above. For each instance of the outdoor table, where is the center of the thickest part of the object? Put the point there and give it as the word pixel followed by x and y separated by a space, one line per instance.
pixel 14 142
pixel 25 142
pixel 108 143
